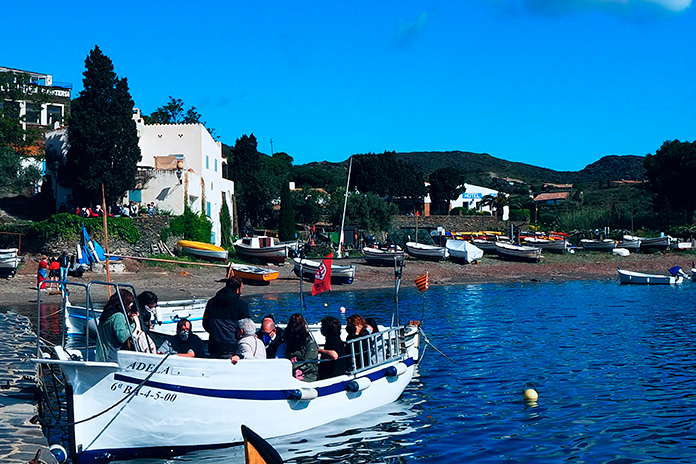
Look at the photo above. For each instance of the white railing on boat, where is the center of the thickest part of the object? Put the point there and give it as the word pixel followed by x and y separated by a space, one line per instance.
pixel 376 349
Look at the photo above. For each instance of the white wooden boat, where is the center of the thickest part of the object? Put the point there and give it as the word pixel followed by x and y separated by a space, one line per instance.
pixel 340 274
pixel 514 252
pixel 264 248
pixel 202 249
pixel 553 246
pixel 426 252
pixel 631 277
pixel 620 252
pixel 655 243
pixel 383 256
pixel 487 246
pixel 165 316
pixel 681 245
pixel 461 250
pixel 132 408
pixel 9 260
pixel 597 245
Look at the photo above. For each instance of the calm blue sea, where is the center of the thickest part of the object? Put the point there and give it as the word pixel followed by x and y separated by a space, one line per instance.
pixel 614 366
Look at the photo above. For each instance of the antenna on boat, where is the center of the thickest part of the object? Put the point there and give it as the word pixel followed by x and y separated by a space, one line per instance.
pixel 302 300
pixel 342 235
pixel 398 270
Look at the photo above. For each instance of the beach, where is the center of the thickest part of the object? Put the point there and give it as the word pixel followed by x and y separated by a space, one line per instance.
pixel 180 282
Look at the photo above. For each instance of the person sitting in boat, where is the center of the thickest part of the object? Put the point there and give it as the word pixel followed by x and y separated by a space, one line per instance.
pixel 333 354
pixel 147 301
pixel 114 328
pixel 356 327
pixel 184 342
pixel 301 347
pixel 221 318
pixel 249 346
pixel 272 338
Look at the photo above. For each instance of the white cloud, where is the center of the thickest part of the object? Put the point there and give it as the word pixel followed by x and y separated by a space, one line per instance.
pixel 570 6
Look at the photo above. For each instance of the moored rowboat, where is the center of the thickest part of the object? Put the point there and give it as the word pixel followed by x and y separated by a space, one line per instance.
pixel 630 277
pixel 202 249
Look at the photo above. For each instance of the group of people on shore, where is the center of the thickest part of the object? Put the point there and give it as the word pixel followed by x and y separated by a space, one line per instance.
pixel 51 271
pixel 232 334
pixel 131 209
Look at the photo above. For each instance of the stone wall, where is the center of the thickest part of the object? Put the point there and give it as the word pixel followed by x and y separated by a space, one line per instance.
pixel 457 223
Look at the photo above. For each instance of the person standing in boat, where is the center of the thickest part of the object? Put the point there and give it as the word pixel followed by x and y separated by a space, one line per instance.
pixel 221 318
pixel 301 347
pixel 272 338
pixel 147 301
pixel 114 329
pixel 184 342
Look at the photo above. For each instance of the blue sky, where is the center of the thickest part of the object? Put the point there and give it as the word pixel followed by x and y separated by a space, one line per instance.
pixel 554 83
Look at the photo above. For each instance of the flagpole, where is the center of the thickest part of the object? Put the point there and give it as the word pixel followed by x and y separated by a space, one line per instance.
pixel 341 236
pixel 301 292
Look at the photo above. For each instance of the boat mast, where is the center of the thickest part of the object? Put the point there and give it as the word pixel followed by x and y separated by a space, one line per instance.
pixel 341 239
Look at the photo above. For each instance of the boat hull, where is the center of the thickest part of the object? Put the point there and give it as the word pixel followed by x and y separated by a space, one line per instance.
pixel 202 249
pixel 383 257
pixel 552 246
pixel 168 406
pixel 511 252
pixel 598 245
pixel 307 268
pixel 255 274
pixel 426 252
pixel 630 277
pixel 9 261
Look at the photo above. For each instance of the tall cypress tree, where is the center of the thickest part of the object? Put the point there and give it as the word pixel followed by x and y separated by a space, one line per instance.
pixel 102 135
pixel 286 227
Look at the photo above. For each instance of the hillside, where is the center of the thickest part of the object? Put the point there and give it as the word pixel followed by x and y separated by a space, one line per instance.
pixel 483 165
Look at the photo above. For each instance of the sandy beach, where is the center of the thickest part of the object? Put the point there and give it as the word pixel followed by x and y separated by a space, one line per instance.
pixel 177 282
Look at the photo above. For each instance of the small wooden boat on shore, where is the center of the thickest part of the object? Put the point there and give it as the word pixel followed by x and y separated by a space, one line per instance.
pixel 426 252
pixel 553 246
pixel 655 243
pixel 264 248
pixel 202 249
pixel 9 260
pixel 307 268
pixel 486 245
pixel 254 274
pixel 461 250
pixel 597 245
pixel 383 256
pixel 675 277
pixel 512 252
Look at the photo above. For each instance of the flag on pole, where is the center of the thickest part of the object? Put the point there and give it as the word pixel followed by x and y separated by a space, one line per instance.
pixel 422 282
pixel 322 279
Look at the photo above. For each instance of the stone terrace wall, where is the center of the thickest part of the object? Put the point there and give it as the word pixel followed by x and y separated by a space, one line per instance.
pixel 457 223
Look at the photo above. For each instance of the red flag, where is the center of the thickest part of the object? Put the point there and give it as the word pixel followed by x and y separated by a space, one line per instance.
pixel 422 282
pixel 322 279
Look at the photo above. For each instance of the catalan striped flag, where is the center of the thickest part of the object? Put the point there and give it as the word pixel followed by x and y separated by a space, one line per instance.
pixel 422 282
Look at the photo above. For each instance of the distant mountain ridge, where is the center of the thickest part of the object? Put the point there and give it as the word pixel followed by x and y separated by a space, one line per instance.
pixel 483 165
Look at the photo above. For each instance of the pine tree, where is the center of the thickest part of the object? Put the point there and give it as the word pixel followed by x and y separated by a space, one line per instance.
pixel 102 135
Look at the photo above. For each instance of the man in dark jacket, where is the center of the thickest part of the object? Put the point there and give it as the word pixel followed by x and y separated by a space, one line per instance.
pixel 272 338
pixel 221 318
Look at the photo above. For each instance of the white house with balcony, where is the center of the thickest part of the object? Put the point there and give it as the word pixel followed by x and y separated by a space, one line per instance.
pixel 182 164
pixel 470 199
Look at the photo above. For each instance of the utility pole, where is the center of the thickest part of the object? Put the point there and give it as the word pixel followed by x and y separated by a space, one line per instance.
pixel 271 140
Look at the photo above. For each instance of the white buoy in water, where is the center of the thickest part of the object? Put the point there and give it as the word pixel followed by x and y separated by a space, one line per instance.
pixel 529 393
pixel 342 309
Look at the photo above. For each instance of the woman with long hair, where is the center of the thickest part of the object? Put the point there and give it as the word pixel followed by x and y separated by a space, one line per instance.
pixel 301 347
pixel 116 324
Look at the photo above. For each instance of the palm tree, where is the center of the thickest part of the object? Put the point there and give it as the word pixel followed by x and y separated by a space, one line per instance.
pixel 496 203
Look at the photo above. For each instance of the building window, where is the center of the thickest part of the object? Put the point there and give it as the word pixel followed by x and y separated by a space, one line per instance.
pixel 33 113
pixel 135 195
pixel 55 114
pixel 207 162
pixel 215 165
pixel 207 208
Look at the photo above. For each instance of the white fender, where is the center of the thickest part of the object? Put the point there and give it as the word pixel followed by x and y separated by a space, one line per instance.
pixel 358 384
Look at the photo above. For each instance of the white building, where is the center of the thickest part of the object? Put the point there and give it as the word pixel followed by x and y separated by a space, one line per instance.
pixel 470 199
pixel 182 164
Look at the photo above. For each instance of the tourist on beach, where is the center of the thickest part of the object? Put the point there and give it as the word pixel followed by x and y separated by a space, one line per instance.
pixel 249 346
pixel 64 262
pixel 114 329
pixel 301 347
pixel 133 207
pixel 42 272
pixel 151 209
pixel 184 342
pixel 221 318
pixel 53 274
pixel 272 338
pixel 147 301
pixel 334 349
